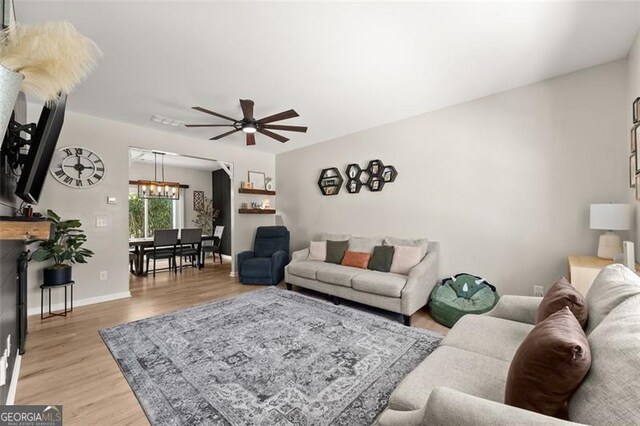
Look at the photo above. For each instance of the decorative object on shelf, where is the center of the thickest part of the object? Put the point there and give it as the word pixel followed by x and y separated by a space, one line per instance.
pixel 198 201
pixel 353 186
pixel 375 183
pixel 353 173
pixel 375 168
pixel 389 174
pixel 610 217
pixel 53 57
pixel 207 216
pixel 330 181
pixel 244 206
pixel 158 188
pixel 269 185
pixel 65 248
pixel 636 110
pixel 257 180
pixel 249 125
pixel 77 167
pixel 266 204
pixel 246 185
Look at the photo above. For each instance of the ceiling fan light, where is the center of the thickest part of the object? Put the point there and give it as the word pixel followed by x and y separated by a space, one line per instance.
pixel 249 128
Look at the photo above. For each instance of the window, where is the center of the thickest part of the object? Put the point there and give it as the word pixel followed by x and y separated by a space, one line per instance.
pixel 146 215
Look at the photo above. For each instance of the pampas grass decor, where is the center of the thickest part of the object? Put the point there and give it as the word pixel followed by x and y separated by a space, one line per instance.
pixel 53 57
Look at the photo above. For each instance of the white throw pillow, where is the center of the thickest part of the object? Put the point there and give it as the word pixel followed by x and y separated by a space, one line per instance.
pixel 318 250
pixel 423 243
pixel 405 258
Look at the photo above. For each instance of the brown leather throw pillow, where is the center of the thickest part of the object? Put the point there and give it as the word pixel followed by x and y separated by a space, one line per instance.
pixel 563 294
pixel 549 365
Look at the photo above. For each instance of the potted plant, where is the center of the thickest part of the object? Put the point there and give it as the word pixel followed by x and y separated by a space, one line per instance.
pixel 65 249
pixel 205 217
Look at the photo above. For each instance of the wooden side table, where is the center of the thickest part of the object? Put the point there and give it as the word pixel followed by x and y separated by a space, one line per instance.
pixel 583 270
pixel 64 313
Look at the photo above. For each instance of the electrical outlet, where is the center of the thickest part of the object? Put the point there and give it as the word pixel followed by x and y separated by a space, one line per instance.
pixel 101 222
pixel 103 275
pixel 538 290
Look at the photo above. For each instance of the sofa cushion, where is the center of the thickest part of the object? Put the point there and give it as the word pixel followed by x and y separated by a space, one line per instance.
pixel 454 368
pixel 562 294
pixel 364 245
pixel 325 236
pixel 356 259
pixel 256 267
pixel 337 274
pixel 381 283
pixel 423 243
pixel 318 250
pixel 404 259
pixel 549 365
pixel 306 268
pixel 381 258
pixel 494 337
pixel 613 285
pixel 335 251
pixel 609 393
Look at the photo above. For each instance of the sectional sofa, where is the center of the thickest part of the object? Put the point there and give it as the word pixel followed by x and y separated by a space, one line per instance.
pixel 403 294
pixel 463 381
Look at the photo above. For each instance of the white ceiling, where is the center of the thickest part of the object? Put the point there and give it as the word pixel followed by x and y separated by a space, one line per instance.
pixel 145 156
pixel 344 67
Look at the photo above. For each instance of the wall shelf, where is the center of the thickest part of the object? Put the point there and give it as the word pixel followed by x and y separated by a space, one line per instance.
pixel 25 230
pixel 256 211
pixel 256 191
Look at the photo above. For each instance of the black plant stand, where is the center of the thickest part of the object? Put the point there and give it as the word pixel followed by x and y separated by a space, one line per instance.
pixel 64 313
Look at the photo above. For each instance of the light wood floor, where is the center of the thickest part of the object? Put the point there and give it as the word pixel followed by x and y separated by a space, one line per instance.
pixel 66 362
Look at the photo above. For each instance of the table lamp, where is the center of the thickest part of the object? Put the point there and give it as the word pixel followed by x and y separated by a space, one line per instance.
pixel 610 217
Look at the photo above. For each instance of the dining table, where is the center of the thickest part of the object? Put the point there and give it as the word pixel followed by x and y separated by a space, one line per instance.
pixel 140 246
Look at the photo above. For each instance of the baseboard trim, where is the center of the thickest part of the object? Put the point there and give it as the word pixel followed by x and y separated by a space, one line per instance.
pixel 82 302
pixel 13 386
pixel 233 274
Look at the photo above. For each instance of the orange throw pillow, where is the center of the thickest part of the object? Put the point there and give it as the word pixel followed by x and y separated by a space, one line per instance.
pixel 356 259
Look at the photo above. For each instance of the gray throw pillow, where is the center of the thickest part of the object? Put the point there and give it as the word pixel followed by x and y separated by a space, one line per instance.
pixel 381 258
pixel 335 251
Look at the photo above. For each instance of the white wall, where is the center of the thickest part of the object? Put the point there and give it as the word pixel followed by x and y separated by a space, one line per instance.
pixel 197 180
pixel 111 140
pixel 503 182
pixel 633 91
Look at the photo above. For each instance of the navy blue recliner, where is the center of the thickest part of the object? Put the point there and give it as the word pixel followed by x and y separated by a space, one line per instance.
pixel 265 264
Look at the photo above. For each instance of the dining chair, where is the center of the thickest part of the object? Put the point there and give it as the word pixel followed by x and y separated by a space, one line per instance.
pixel 164 247
pixel 213 246
pixel 190 243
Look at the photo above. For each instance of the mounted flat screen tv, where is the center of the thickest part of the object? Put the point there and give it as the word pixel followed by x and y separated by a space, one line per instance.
pixel 41 150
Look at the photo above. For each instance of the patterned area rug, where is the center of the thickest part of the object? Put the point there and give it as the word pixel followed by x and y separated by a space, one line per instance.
pixel 269 357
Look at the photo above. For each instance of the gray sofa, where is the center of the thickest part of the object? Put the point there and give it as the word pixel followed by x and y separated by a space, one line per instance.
pixel 403 294
pixel 463 381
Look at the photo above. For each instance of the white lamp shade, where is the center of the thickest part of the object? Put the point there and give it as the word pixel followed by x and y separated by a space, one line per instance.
pixel 611 217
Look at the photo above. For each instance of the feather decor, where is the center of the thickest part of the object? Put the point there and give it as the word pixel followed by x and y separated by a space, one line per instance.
pixel 53 57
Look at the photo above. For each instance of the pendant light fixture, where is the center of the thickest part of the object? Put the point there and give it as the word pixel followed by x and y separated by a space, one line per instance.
pixel 158 188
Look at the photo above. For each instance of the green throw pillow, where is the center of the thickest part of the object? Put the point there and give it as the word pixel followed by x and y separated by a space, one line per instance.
pixel 335 251
pixel 381 258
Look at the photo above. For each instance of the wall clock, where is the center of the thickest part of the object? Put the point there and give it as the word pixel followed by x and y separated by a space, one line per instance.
pixel 77 167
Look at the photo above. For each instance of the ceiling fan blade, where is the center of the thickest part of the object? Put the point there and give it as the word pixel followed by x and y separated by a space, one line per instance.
pixel 275 136
pixel 251 139
pixel 206 111
pixel 280 116
pixel 208 125
pixel 247 108
pixel 301 129
pixel 215 138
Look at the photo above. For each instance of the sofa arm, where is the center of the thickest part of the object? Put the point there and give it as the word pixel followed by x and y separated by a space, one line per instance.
pixel 241 257
pixel 516 308
pixel 279 260
pixel 300 255
pixel 447 407
pixel 422 278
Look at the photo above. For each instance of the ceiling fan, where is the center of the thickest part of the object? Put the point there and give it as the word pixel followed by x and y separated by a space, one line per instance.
pixel 250 125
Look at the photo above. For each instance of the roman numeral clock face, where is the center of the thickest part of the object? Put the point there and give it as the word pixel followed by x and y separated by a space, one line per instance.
pixel 77 167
